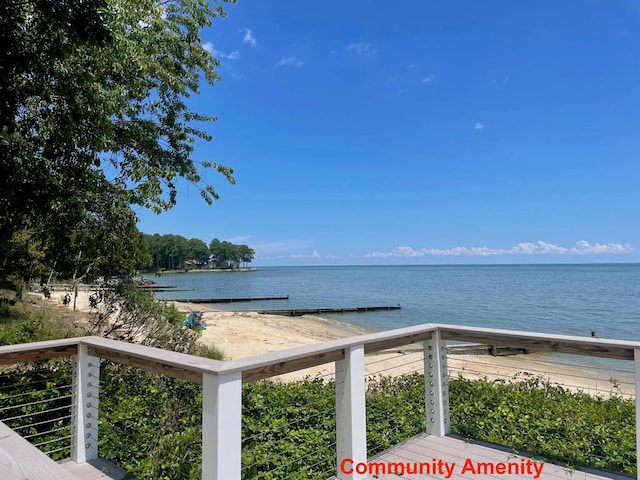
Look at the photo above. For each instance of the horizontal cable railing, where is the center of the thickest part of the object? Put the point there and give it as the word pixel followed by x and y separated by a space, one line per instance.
pixel 37 402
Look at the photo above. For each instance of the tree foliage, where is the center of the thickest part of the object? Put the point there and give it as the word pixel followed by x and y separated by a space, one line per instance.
pixel 94 119
pixel 228 255
pixel 169 252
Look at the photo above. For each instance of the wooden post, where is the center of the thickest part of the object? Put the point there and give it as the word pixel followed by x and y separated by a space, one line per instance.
pixel 84 411
pixel 636 356
pixel 351 414
pixel 222 426
pixel 436 385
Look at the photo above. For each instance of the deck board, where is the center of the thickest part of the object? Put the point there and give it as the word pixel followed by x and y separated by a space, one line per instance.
pixel 20 460
pixel 98 469
pixel 452 449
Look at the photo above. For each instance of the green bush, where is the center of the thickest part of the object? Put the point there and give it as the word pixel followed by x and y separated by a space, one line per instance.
pixel 210 351
pixel 22 323
pixel 533 415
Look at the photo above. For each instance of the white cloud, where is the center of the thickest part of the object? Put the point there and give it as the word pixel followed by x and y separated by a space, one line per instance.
pixel 289 62
pixel 230 56
pixel 479 126
pixel 361 48
pixel 313 255
pixel 209 47
pixel 581 247
pixel 428 79
pixel 316 255
pixel 249 38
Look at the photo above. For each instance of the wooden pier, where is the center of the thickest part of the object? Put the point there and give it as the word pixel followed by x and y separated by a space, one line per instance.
pixel 224 300
pixel 298 312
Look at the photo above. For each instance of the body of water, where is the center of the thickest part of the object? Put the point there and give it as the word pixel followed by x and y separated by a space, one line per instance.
pixel 566 299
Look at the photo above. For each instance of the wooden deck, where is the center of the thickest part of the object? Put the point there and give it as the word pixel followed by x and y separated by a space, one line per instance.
pixel 99 469
pixel 19 460
pixel 452 449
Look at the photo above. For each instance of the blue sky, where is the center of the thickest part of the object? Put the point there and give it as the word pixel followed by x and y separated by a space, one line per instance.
pixel 422 132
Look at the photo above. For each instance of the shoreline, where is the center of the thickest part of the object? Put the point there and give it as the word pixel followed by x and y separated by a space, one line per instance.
pixel 201 270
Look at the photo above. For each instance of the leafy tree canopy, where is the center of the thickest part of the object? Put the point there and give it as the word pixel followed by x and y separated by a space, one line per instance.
pixel 175 251
pixel 93 120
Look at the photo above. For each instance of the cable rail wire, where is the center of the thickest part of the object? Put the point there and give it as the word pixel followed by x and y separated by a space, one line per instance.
pixel 36 424
pixel 280 427
pixel 560 364
pixel 68 437
pixel 322 475
pixel 285 465
pixel 24 384
pixel 56 450
pixel 569 386
pixel 35 392
pixel 33 414
pixel 38 402
pixel 40 434
pixel 567 377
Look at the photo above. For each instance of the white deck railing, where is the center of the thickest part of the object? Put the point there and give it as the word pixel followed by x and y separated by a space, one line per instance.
pixel 222 382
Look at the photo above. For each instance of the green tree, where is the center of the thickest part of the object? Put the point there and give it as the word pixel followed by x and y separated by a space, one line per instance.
pixel 198 251
pixel 218 253
pixel 93 108
pixel 229 255
pixel 246 254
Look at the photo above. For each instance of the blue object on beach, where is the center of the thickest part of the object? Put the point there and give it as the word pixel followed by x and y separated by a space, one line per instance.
pixel 195 320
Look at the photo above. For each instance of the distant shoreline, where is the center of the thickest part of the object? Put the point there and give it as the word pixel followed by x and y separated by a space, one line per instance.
pixel 203 270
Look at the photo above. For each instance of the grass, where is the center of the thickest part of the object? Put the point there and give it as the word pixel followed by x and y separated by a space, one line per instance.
pixel 25 322
pixel 211 351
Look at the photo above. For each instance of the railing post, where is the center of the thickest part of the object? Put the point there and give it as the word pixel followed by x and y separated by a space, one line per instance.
pixel 636 356
pixel 84 409
pixel 436 385
pixel 222 426
pixel 351 414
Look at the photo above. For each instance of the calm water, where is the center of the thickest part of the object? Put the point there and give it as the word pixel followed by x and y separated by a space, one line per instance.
pixel 568 299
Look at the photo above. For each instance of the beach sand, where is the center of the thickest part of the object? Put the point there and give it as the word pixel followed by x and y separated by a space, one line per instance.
pixel 241 334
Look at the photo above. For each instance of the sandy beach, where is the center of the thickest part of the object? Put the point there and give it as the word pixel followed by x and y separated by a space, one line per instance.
pixel 244 334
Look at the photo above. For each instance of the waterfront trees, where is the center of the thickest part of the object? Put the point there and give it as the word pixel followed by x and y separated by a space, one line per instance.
pixel 170 252
pixel 228 255
pixel 93 120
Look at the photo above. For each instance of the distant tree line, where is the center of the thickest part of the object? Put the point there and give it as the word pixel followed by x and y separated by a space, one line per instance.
pixel 170 252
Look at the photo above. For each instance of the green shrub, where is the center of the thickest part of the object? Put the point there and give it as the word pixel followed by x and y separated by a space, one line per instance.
pixel 207 350
pixel 22 323
pixel 533 415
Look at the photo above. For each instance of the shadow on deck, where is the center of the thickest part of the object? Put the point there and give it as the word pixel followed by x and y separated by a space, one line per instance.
pixel 454 458
pixel 94 470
